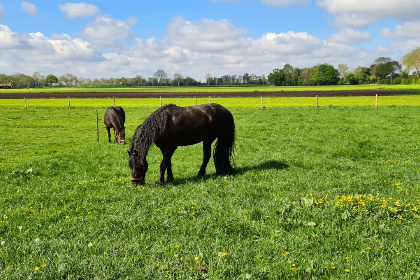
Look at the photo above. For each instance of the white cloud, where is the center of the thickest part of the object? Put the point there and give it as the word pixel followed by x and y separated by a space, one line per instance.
pixel 409 30
pixel 350 36
pixel 204 35
pixel 284 3
pixel 75 10
pixel 105 30
pixel 9 39
pixel 357 13
pixel 29 8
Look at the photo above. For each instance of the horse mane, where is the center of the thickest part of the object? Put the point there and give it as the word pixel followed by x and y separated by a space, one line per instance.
pixel 151 130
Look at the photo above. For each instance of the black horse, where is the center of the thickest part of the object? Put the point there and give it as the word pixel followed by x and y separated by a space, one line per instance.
pixel 172 126
pixel 115 118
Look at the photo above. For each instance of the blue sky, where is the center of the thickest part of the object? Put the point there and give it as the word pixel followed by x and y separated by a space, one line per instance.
pixel 104 38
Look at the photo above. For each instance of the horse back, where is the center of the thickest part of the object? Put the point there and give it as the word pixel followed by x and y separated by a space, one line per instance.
pixel 114 117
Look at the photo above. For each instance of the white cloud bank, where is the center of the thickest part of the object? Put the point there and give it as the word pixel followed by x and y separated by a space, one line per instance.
pixel 358 13
pixel 29 8
pixel 76 10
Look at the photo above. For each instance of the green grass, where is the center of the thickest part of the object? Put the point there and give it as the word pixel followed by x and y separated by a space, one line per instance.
pixel 413 87
pixel 248 102
pixel 319 193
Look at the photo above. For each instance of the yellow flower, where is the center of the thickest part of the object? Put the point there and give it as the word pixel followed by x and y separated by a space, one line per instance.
pixel 44 265
pixel 176 246
pixel 333 267
pixel 157 265
pixel 67 217
pixel 36 268
pixel 285 254
pixel 181 259
pixel 347 270
pixel 196 258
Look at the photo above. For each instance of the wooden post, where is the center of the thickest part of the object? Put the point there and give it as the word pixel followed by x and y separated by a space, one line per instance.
pixel 261 102
pixel 196 101
pixel 114 101
pixel 160 98
pixel 147 110
pixel 376 101
pixel 209 99
pixel 26 105
pixel 317 101
pixel 180 102
pixel 97 126
pixel 69 102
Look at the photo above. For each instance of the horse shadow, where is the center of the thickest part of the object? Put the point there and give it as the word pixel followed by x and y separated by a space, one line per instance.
pixel 266 165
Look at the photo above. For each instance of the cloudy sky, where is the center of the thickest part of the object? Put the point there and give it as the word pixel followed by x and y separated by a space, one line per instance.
pixel 104 38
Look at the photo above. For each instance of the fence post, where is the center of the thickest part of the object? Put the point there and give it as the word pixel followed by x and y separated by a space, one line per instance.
pixel 160 98
pixel 97 126
pixel 26 105
pixel 209 99
pixel 114 101
pixel 261 102
pixel 376 101
pixel 317 100
pixel 69 102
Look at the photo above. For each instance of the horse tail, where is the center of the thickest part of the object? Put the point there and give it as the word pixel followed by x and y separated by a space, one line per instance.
pixel 224 148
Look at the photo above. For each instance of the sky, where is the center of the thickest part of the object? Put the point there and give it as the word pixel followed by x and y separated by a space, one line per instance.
pixel 126 38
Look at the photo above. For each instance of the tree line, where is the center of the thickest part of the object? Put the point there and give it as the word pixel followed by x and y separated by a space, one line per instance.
pixel 383 70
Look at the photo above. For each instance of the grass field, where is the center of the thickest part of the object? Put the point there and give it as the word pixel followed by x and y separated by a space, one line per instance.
pixel 319 193
pixel 413 87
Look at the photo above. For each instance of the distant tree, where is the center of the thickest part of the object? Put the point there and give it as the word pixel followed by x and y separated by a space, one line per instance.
pixel 343 70
pixel 68 79
pixel 288 72
pixel 362 75
pixel 295 76
pixel 37 77
pixel 411 61
pixel 276 77
pixel 160 76
pixel 324 74
pixel 208 78
pixel 305 76
pixel 178 78
pixel 51 79
pixel 384 66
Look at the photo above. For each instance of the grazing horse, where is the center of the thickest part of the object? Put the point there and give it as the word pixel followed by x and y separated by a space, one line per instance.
pixel 172 126
pixel 115 118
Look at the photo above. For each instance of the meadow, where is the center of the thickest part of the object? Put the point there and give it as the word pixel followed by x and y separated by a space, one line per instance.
pixel 318 193
pixel 253 88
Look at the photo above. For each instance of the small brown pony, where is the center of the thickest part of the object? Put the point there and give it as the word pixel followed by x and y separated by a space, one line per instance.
pixel 115 118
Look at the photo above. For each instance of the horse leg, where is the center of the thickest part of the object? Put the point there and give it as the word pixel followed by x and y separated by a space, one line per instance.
pixel 109 133
pixel 206 157
pixel 115 135
pixel 166 164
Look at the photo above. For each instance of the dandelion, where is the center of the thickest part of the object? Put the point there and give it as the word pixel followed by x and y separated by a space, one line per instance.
pixel 346 270
pixel 36 268
pixel 196 258
pixel 2 243
pixel 285 254
pixel 157 265
pixel 90 244
pixel 176 246
pixel 181 258
pixel 20 228
pixel 333 267
pixel 44 265
pixel 222 254
pixel 67 217
pixel 36 240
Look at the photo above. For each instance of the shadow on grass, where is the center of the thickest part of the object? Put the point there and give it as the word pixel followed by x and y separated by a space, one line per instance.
pixel 267 165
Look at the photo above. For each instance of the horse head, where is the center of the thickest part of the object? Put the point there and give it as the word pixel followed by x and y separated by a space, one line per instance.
pixel 138 166
pixel 120 136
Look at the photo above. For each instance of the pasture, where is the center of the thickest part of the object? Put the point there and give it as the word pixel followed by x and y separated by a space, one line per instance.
pixel 319 193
